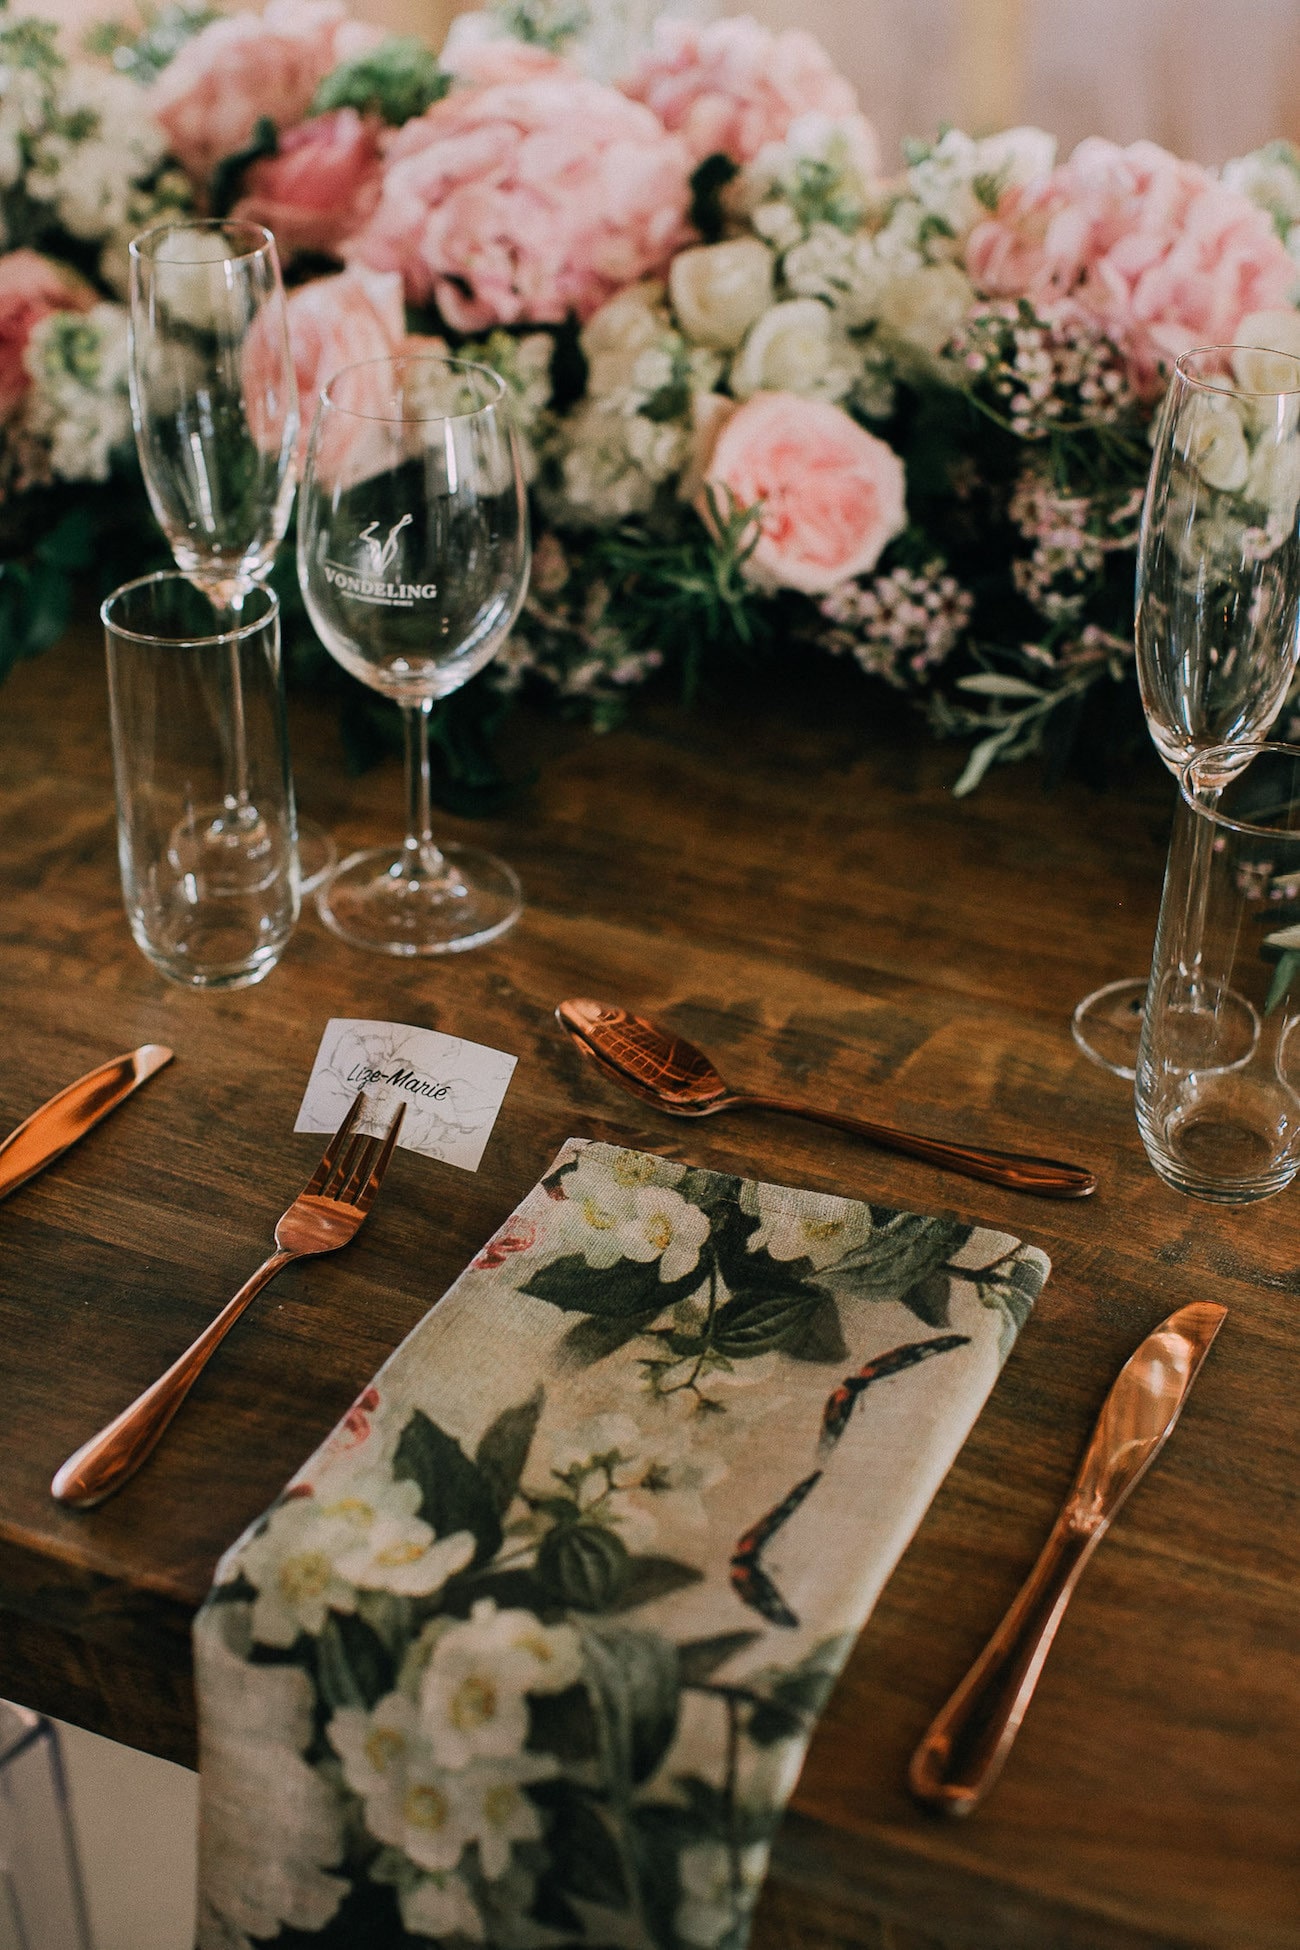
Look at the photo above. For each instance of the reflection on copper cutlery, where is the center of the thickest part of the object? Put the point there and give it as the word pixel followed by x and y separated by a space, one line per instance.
pixel 675 1076
pixel 47 1133
pixel 325 1215
pixel 962 1754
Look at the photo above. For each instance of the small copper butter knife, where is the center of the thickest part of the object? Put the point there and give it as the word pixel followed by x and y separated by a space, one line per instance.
pixel 962 1754
pixel 48 1132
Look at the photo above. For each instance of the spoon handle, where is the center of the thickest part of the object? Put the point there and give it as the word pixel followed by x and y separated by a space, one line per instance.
pixel 1045 1177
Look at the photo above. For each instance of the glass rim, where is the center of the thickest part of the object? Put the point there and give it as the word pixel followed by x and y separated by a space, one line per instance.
pixel 189 642
pixel 1232 760
pixel 1189 378
pixel 144 247
pixel 391 361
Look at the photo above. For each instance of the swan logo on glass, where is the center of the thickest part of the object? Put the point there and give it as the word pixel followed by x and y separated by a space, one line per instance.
pixel 380 553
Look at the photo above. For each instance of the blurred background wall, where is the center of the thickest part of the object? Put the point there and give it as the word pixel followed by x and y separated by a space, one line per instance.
pixel 1207 78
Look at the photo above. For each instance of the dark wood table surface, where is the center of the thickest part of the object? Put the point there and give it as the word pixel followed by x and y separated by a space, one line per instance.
pixel 807 900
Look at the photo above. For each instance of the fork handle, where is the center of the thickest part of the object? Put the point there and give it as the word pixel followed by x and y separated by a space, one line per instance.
pixel 1045 1177
pixel 104 1463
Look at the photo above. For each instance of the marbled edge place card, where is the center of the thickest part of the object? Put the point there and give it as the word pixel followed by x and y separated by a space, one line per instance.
pixel 452 1089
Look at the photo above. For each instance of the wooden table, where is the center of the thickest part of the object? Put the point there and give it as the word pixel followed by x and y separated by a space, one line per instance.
pixel 806 899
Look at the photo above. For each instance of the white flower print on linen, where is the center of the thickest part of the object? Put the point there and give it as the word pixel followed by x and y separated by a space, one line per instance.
pixel 628 1477
pixel 473 1691
pixel 711 1903
pixel 272 1826
pixel 664 1226
pixel 415 1802
pixel 824 1236
pixel 599 1210
pixel 293 1564
pixel 440 1906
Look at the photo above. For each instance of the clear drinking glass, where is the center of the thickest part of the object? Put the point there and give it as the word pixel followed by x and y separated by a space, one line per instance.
pixel 215 404
pixel 413 560
pixel 1218 1073
pixel 1218 590
pixel 209 907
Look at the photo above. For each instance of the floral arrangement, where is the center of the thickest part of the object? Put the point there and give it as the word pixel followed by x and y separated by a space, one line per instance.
pixel 780 404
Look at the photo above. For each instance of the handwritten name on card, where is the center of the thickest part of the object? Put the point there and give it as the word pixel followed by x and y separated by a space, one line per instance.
pixel 452 1089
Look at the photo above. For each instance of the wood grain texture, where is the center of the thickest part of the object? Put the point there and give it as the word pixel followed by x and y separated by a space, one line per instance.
pixel 807 901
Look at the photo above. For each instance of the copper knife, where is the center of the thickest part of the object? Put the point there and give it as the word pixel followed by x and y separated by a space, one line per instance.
pixel 48 1132
pixel 962 1754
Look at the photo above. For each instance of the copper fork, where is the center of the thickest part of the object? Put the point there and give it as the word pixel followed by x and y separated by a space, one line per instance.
pixel 323 1217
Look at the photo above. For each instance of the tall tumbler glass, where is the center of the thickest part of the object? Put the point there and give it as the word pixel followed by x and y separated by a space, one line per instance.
pixel 174 660
pixel 1218 1074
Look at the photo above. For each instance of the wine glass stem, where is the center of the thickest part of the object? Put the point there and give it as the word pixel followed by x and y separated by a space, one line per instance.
pixel 422 856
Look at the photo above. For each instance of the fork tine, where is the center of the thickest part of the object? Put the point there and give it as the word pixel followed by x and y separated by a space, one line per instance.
pixel 316 1183
pixel 345 1166
pixel 365 1197
pixel 358 1172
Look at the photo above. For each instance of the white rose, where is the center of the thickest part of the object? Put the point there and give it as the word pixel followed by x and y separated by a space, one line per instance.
pixel 923 308
pixel 1016 156
pixel 719 290
pixel 1267 350
pixel 1216 445
pixel 614 337
pixel 793 348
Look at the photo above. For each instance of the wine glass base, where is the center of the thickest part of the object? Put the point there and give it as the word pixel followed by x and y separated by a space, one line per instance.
pixel 317 855
pixel 1107 1026
pixel 373 901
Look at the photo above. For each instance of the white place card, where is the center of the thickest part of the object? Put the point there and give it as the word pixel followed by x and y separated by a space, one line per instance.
pixel 452 1089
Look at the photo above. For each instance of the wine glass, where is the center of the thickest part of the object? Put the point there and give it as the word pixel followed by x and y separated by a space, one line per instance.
pixel 1218 591
pixel 413 558
pixel 215 405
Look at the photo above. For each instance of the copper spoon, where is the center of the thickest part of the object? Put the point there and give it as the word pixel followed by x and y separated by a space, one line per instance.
pixel 676 1077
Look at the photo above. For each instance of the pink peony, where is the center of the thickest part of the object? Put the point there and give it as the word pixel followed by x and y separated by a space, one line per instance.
pixel 31 287
pixel 323 184
pixel 333 322
pixel 732 85
pixel 474 52
pixel 831 494
pixel 528 199
pixel 246 66
pixel 1152 250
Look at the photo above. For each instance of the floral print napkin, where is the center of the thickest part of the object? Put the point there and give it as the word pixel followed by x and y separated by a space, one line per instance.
pixel 530 1651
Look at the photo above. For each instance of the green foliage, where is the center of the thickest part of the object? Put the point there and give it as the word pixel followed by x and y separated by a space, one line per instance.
pixel 143 54
pixel 228 176
pixel 583 1566
pixel 551 24
pixel 454 1493
pixel 397 80
pixel 503 1448
pixel 708 180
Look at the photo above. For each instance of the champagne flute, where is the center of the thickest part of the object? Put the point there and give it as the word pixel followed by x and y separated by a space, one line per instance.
pixel 413 559
pixel 1218 591
pixel 214 400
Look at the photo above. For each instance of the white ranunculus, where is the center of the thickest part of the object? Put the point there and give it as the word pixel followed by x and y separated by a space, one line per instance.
pixel 1216 445
pixel 791 349
pixel 1266 358
pixel 923 309
pixel 719 290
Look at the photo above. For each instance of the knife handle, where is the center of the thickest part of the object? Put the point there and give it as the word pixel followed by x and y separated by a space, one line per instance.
pixel 962 1754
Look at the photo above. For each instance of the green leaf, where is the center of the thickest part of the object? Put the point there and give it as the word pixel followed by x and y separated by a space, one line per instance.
pixel 397 80
pixel 632 1678
pixel 228 176
pixel 563 1724
pixel 775 1313
pixel 899 1255
pixel 708 181
pixel 353 1667
pixel 651 1577
pixel 1283 976
pixel 454 1494
pixel 585 1860
pixel 583 1566
pixel 981 758
pixel 698 1659
pixel 929 1299
pixel 630 1288
pixel 503 1448
pixel 823 1336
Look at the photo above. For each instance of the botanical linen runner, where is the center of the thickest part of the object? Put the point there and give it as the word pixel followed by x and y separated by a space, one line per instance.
pixel 530 1651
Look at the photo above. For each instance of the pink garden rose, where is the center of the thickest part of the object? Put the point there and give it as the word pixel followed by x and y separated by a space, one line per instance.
pixel 831 494
pixel 321 186
pixel 1152 250
pixel 732 85
pixel 246 66
pixel 525 200
pixel 31 287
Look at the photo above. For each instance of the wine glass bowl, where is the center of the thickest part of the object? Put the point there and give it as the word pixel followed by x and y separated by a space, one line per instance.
pixel 413 556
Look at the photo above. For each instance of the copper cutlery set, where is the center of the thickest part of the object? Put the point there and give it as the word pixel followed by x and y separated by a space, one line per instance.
pixel 965 1747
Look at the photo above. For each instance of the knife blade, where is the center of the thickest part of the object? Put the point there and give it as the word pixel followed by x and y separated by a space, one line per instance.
pixel 964 1749
pixel 48 1132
